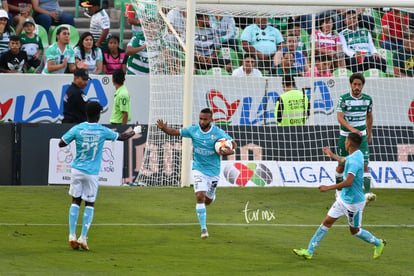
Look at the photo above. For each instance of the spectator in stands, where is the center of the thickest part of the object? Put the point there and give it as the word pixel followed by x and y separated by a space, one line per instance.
pixel 295 29
pixel 48 12
pixel 5 6
pixel 32 44
pixel 115 57
pixel 262 40
pixel 404 57
pixel 20 10
pixel 6 31
pixel 327 42
pixel 322 67
pixel 286 67
pixel 14 60
pixel 394 24
pixel 300 60
pixel 360 53
pixel 206 44
pixel 60 57
pixel 178 19
pixel 225 28
pixel 135 24
pixel 137 63
pixel 87 55
pixel 100 23
pixel 248 68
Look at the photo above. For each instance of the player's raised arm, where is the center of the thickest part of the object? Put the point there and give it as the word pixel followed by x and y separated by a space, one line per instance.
pixel 170 131
pixel 327 151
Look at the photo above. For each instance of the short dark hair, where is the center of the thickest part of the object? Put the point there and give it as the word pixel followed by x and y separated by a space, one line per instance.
pixel 355 139
pixel 358 76
pixel 207 110
pixel 93 110
pixel 323 57
pixel 118 76
pixel 288 81
pixel 249 55
pixel 15 38
pixel 60 29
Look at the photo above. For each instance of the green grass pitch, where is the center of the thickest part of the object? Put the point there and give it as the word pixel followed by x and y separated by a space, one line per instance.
pixel 154 231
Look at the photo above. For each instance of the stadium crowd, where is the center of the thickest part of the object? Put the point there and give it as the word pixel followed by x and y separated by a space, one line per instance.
pixel 372 41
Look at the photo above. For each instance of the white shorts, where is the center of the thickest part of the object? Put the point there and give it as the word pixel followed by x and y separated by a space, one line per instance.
pixel 353 212
pixel 84 185
pixel 205 183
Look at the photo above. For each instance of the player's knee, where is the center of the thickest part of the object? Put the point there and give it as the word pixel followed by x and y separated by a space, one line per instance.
pixel 208 201
pixel 77 200
pixel 353 230
pixel 91 204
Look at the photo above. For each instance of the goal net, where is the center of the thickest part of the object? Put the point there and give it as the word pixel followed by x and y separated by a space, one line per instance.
pixel 241 55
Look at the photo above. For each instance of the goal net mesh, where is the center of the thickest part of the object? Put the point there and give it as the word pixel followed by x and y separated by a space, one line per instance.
pixel 241 54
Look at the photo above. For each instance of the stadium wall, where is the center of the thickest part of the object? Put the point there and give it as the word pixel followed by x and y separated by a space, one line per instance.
pixel 290 160
pixel 38 98
pixel 32 102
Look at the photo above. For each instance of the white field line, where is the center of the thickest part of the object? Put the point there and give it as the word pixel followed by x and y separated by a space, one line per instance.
pixel 211 223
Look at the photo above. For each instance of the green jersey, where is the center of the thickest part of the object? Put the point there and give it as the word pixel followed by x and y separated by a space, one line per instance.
pixel 122 103
pixel 138 64
pixel 31 45
pixel 355 111
pixel 54 53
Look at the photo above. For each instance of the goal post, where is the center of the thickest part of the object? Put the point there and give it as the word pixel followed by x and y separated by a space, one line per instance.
pixel 181 85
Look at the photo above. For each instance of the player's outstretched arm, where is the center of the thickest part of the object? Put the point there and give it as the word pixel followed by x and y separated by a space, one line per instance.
pixel 327 151
pixel 170 131
pixel 129 133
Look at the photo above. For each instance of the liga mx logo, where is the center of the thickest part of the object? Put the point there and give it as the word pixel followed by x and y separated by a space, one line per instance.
pixel 239 174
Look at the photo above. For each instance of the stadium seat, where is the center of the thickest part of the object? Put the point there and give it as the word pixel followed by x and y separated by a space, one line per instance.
pixel 217 71
pixel 388 56
pixel 74 35
pixel 229 53
pixel 342 72
pixel 375 73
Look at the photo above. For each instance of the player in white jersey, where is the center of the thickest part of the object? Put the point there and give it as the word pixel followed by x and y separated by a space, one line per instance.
pixel 89 137
pixel 349 203
pixel 206 163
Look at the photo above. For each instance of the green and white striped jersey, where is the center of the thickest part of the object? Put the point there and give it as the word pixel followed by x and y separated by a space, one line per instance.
pixel 138 64
pixel 355 111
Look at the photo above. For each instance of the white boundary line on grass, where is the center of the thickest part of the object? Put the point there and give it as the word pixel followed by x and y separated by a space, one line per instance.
pixel 212 223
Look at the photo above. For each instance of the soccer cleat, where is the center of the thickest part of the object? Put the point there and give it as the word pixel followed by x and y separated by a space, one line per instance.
pixel 303 253
pixel 83 242
pixel 204 234
pixel 378 249
pixel 73 242
pixel 369 197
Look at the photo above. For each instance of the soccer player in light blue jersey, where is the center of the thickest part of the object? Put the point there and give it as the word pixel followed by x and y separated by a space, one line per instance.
pixel 349 203
pixel 89 137
pixel 206 163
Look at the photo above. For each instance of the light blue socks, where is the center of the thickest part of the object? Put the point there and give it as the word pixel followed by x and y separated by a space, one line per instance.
pixel 87 220
pixel 317 237
pixel 368 237
pixel 202 214
pixel 73 218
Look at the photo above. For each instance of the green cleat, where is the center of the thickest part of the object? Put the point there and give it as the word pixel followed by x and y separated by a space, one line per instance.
pixel 303 253
pixel 378 249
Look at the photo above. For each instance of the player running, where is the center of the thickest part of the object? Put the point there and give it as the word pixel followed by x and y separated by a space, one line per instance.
pixel 206 164
pixel 349 203
pixel 354 113
pixel 89 137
